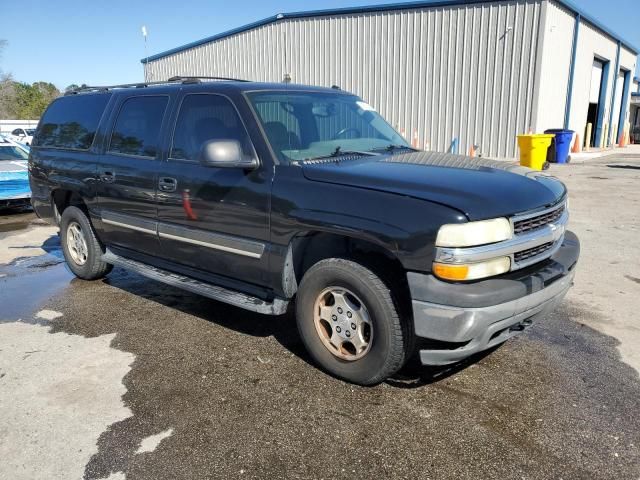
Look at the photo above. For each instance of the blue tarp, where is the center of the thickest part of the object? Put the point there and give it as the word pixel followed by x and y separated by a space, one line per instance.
pixel 14 185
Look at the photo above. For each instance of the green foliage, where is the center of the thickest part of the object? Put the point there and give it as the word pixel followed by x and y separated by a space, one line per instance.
pixel 24 101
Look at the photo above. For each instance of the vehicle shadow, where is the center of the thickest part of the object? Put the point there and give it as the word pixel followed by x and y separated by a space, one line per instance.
pixel 415 375
pixel 282 328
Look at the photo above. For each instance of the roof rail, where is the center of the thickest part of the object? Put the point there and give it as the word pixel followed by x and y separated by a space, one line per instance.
pixel 197 78
pixel 181 79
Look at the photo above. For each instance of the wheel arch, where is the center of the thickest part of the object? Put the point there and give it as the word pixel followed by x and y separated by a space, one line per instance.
pixel 308 248
pixel 62 198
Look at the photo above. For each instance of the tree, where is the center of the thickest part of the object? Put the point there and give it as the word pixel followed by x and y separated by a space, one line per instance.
pixel 7 92
pixel 21 100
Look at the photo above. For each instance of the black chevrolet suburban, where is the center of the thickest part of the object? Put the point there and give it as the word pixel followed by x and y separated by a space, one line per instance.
pixel 269 195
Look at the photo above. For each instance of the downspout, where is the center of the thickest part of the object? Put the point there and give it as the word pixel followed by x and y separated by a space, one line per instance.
pixel 572 71
pixel 616 72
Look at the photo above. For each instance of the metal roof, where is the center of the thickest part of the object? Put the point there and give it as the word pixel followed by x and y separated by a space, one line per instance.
pixel 377 8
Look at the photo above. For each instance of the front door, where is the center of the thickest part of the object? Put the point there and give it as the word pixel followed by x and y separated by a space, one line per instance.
pixel 213 219
pixel 127 174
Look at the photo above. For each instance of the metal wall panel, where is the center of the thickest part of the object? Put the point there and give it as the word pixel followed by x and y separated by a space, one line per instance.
pixel 464 71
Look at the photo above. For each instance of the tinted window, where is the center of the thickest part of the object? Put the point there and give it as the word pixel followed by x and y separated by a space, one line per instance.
pixel 71 122
pixel 206 117
pixel 137 128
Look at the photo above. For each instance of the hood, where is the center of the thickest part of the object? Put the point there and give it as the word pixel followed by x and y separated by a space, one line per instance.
pixel 478 187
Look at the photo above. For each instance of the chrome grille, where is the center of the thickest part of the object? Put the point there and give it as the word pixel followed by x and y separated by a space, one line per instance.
pixel 533 223
pixel 531 252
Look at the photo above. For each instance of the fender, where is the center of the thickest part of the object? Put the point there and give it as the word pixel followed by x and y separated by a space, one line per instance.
pixel 301 207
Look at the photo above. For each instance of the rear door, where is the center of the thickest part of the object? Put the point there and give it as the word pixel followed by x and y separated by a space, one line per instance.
pixel 127 173
pixel 209 218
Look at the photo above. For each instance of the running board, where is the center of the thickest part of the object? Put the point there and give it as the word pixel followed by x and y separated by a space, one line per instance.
pixel 277 307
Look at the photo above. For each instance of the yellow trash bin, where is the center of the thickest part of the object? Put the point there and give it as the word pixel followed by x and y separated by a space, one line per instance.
pixel 533 150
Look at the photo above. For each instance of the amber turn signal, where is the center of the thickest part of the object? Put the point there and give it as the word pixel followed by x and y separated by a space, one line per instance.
pixel 451 272
pixel 472 271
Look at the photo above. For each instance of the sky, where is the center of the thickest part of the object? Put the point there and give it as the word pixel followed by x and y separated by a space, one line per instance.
pixel 98 43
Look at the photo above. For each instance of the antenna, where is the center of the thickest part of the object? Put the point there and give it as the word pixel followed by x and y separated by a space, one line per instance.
pixel 146 55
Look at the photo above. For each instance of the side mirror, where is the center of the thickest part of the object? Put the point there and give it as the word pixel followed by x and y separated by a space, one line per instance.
pixel 226 154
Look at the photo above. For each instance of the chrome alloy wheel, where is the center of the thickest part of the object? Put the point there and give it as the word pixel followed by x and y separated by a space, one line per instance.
pixel 76 244
pixel 343 323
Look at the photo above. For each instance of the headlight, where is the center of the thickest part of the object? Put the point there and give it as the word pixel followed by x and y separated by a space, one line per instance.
pixel 474 233
pixel 472 271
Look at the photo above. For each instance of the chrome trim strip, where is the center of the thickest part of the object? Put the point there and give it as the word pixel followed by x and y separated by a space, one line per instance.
pixel 531 260
pixel 526 216
pixel 216 241
pixel 211 245
pixel 126 225
pixel 139 224
pixel 552 232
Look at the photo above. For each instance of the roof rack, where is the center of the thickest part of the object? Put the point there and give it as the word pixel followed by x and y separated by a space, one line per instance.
pixel 197 78
pixel 176 79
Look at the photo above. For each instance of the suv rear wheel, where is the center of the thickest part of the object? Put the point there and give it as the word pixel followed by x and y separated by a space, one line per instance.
pixel 349 323
pixel 82 250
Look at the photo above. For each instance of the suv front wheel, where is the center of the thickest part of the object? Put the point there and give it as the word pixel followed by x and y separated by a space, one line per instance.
pixel 82 249
pixel 349 323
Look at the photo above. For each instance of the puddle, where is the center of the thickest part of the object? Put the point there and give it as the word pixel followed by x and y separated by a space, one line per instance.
pixel 13 226
pixel 14 220
pixel 30 281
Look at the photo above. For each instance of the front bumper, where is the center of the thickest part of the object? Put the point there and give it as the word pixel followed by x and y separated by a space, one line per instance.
pixel 464 319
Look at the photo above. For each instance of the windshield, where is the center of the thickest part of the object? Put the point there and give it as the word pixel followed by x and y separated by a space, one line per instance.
pixel 306 125
pixel 30 131
pixel 11 152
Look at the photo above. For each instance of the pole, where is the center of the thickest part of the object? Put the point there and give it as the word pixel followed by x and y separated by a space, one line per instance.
pixel 146 55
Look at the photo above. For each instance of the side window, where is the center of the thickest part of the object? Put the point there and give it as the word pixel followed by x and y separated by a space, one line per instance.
pixel 71 122
pixel 137 128
pixel 17 131
pixel 205 117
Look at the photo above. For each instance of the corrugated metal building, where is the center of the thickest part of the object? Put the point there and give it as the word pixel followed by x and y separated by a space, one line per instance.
pixel 477 71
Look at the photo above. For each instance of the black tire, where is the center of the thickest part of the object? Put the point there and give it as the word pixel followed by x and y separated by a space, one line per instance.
pixel 391 337
pixel 93 267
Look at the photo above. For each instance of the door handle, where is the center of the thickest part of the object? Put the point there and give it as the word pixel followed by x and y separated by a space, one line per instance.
pixel 167 184
pixel 108 177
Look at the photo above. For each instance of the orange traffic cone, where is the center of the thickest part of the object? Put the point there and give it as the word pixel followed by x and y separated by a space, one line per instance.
pixel 576 144
pixel 472 151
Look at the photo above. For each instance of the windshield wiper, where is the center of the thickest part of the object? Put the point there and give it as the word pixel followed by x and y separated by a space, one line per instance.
pixel 338 152
pixel 391 147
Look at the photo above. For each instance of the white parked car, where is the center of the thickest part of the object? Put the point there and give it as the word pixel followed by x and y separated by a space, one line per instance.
pixel 22 135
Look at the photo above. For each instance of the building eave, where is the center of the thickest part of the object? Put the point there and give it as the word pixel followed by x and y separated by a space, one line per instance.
pixel 376 8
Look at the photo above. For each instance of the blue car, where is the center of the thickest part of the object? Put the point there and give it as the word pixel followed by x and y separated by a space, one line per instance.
pixel 14 174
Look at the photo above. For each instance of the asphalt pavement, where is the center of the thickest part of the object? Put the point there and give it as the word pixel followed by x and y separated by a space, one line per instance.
pixel 128 378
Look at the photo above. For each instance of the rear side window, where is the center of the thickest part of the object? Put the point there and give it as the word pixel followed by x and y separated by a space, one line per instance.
pixel 205 117
pixel 137 128
pixel 71 122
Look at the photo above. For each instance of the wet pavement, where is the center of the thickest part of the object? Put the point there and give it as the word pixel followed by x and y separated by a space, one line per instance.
pixel 205 390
